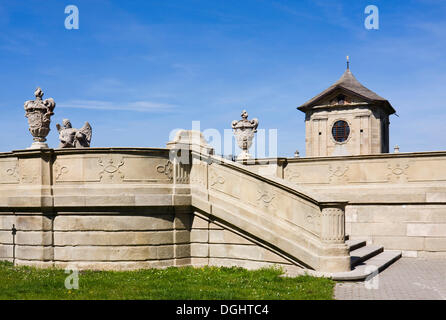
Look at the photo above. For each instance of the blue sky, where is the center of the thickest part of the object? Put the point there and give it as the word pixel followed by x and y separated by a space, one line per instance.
pixel 138 69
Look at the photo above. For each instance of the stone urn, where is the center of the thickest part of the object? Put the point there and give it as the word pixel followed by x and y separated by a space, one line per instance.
pixel 39 113
pixel 244 131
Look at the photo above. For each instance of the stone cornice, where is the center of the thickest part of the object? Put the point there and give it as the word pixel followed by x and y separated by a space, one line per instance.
pixel 284 160
pixel 369 156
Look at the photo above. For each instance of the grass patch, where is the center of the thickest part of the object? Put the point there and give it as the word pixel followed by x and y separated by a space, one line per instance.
pixel 212 283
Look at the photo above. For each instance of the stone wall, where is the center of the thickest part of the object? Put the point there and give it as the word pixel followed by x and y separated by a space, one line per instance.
pixel 214 243
pixel 128 208
pixel 145 238
pixel 419 230
pixel 278 214
pixel 395 200
pixel 33 238
pixel 368 131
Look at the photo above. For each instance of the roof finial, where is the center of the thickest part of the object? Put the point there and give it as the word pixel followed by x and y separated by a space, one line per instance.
pixel 348 63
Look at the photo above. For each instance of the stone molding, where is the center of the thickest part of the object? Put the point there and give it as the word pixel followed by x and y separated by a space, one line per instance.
pixel 276 212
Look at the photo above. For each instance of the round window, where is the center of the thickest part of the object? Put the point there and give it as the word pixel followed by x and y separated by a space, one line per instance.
pixel 340 131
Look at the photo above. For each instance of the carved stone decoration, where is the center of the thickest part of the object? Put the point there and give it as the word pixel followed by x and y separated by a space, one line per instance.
pixel 110 168
pixel 333 224
pixel 59 171
pixel 167 169
pixel 39 114
pixel 182 173
pixel 74 138
pixel 244 131
pixel 338 173
pixel 397 172
pixel 13 172
pixel 265 198
pixel 215 179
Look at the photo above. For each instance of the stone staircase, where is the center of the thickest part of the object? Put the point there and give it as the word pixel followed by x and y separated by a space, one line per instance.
pixel 366 260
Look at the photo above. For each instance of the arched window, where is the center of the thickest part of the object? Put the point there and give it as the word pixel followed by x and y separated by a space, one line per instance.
pixel 340 131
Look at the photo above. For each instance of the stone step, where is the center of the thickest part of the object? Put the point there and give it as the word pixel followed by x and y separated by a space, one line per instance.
pixel 355 244
pixel 367 268
pixel 363 253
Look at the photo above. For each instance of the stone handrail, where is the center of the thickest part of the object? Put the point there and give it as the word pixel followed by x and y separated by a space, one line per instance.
pixel 285 217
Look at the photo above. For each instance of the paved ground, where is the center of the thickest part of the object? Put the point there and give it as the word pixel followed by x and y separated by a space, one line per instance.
pixel 407 278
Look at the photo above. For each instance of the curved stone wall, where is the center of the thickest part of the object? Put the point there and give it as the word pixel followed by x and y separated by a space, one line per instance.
pixel 394 200
pixel 129 208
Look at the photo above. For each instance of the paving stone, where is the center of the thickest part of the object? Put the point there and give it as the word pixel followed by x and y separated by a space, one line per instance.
pixel 407 279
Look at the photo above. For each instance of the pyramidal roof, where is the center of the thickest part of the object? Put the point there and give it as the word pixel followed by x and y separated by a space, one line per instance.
pixel 349 83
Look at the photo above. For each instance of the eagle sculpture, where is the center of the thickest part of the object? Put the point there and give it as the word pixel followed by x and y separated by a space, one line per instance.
pixel 74 138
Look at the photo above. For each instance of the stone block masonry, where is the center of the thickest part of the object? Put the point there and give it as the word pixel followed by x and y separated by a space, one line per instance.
pixel 128 240
pixel 125 208
pixel 394 200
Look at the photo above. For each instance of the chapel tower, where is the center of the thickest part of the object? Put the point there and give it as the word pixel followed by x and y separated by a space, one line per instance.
pixel 346 119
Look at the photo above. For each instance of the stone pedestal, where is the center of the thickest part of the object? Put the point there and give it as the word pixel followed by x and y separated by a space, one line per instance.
pixel 333 223
pixel 335 256
pixel 39 145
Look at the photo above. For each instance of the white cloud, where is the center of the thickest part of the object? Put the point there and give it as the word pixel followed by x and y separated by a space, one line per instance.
pixel 138 106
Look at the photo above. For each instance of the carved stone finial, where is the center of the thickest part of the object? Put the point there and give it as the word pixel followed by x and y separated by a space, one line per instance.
pixel 38 93
pixel 74 138
pixel 39 114
pixel 244 133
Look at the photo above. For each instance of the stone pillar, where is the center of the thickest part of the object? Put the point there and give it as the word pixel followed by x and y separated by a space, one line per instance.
pixel 335 253
pixel 32 208
pixel 179 165
pixel 181 148
pixel 333 223
pixel 34 173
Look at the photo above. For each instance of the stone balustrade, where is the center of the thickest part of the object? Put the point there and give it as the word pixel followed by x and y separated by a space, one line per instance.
pixel 395 200
pixel 127 208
